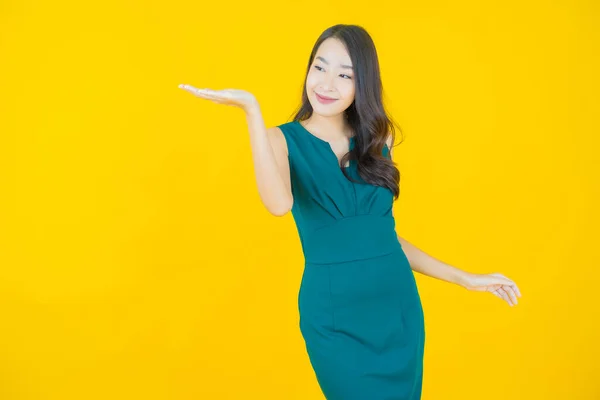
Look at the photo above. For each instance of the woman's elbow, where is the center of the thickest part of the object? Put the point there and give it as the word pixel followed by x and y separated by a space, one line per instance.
pixel 282 210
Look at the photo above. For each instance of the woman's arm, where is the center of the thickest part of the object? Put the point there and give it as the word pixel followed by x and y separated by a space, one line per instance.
pixel 269 149
pixel 430 266
pixel 421 262
pixel 497 284
pixel 271 166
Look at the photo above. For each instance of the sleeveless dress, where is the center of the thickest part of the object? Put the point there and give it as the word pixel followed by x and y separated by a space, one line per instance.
pixel 360 311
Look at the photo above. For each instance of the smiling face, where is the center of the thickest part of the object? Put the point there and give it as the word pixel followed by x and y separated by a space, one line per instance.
pixel 331 76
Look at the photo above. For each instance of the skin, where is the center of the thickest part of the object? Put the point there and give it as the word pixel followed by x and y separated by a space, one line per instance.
pixel 330 76
pixel 270 158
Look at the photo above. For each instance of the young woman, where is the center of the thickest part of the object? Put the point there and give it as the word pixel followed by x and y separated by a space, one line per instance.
pixel 360 311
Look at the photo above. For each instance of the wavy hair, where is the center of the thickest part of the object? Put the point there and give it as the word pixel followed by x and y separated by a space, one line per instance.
pixel 370 123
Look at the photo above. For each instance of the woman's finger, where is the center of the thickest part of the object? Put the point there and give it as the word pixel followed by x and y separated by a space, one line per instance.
pixel 511 301
pixel 187 87
pixel 500 293
pixel 207 95
pixel 513 285
pixel 517 291
pixel 504 295
pixel 511 293
pixel 202 92
pixel 195 90
pixel 210 94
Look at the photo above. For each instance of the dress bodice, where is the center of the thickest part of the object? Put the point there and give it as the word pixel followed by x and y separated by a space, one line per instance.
pixel 327 203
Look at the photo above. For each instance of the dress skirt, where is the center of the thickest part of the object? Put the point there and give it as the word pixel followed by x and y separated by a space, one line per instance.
pixel 363 326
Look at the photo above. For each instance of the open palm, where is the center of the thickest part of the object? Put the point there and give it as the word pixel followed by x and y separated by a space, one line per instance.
pixel 497 284
pixel 230 97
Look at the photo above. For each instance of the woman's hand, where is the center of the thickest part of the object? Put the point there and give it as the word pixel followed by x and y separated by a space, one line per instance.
pixel 230 97
pixel 496 284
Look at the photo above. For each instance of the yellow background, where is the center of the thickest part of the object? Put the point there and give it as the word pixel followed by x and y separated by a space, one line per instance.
pixel 137 262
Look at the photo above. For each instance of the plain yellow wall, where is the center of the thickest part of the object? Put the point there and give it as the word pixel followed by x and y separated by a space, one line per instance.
pixel 137 262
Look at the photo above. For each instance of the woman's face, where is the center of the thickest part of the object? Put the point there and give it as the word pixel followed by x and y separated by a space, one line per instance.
pixel 330 75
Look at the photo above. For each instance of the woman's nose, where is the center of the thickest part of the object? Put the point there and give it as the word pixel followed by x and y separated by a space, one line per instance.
pixel 327 83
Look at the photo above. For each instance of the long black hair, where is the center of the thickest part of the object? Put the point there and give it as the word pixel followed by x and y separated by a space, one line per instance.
pixel 370 123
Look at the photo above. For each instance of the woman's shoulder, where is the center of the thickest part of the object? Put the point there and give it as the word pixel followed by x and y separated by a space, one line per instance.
pixel 278 137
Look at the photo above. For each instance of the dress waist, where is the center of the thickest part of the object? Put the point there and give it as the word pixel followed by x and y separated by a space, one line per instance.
pixel 351 238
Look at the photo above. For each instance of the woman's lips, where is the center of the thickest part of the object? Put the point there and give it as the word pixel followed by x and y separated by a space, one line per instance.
pixel 324 100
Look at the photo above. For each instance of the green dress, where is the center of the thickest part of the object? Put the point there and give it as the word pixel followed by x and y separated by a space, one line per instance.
pixel 360 312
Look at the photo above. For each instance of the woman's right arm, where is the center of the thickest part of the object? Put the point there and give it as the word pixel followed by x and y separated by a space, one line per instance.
pixel 269 148
pixel 271 165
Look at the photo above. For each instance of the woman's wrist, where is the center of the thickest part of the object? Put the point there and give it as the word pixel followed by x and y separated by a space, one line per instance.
pixel 464 278
pixel 252 108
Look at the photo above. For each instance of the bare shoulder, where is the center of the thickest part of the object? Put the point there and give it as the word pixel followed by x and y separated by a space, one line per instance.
pixel 277 139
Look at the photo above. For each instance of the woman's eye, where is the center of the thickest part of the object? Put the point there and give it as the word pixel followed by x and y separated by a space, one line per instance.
pixel 319 69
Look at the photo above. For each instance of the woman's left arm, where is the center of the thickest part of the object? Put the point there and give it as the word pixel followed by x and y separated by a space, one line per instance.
pixel 495 283
pixel 424 263
pixel 430 266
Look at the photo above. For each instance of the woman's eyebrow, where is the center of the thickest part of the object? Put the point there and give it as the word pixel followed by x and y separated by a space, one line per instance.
pixel 341 65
